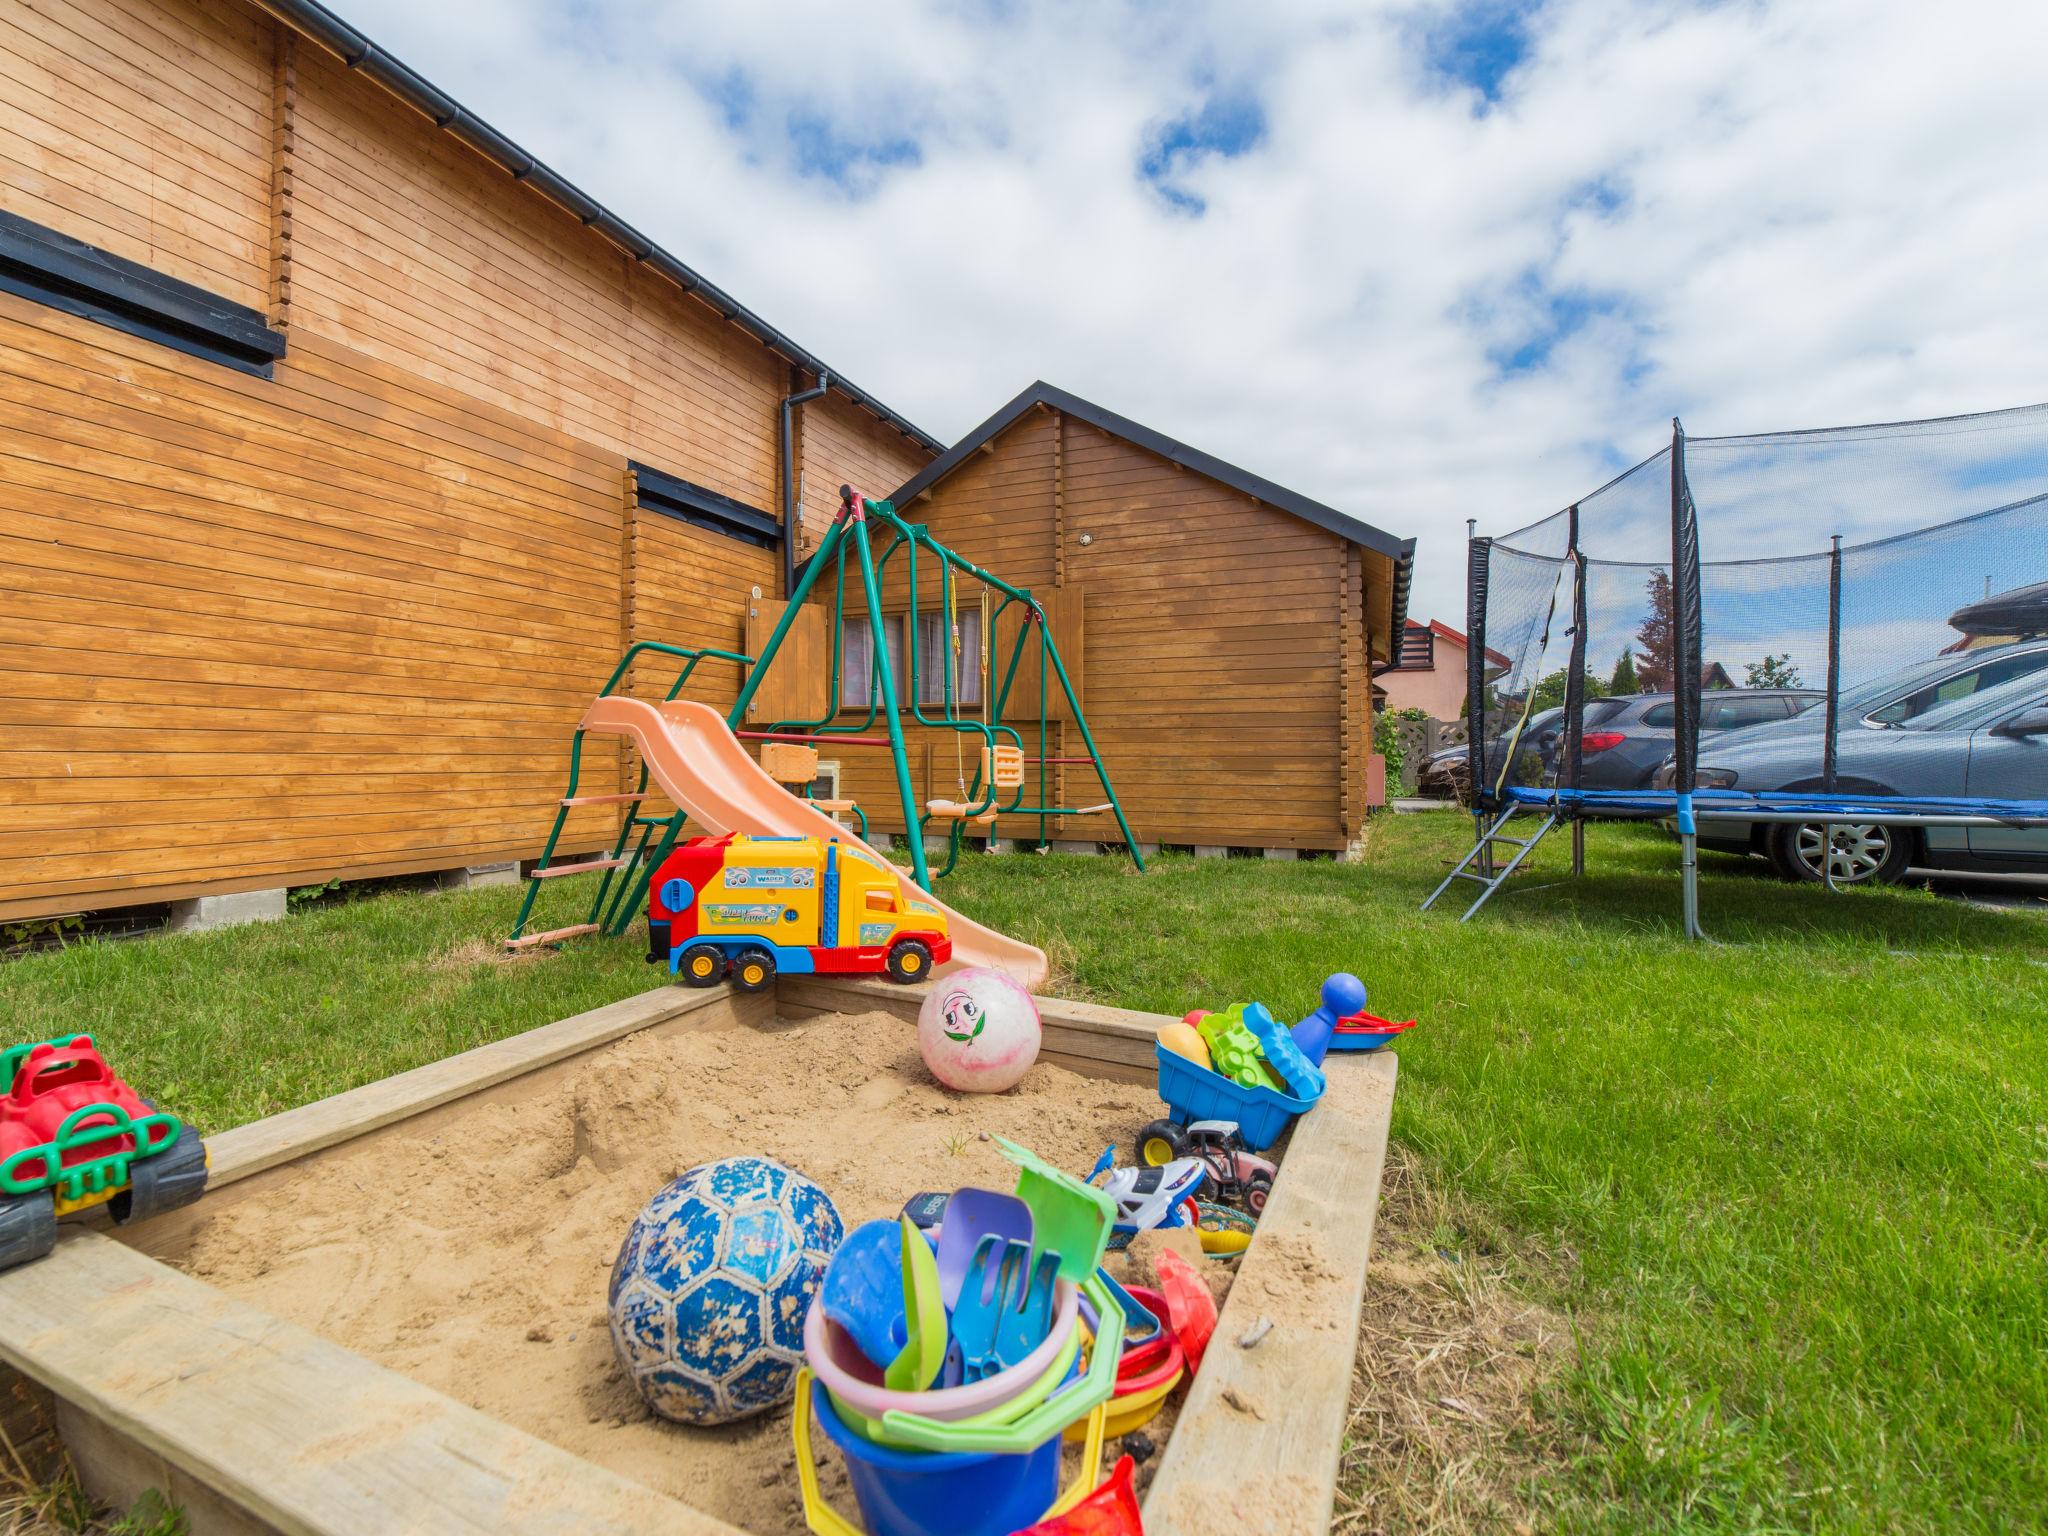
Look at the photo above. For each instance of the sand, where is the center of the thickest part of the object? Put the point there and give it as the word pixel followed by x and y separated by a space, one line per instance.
pixel 473 1256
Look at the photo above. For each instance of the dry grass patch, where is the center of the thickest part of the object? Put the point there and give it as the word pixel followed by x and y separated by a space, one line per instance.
pixel 1443 1436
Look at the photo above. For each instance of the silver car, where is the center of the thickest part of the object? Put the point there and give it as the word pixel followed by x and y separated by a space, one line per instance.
pixel 1969 725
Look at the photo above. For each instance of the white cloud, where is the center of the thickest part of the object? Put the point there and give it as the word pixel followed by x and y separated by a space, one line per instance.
pixel 1810 211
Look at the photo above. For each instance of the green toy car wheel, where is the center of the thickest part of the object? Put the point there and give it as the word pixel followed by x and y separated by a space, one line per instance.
pixel 753 970
pixel 702 965
pixel 910 960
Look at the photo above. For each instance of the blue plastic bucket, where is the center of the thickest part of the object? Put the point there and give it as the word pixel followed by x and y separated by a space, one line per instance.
pixel 1194 1092
pixel 942 1493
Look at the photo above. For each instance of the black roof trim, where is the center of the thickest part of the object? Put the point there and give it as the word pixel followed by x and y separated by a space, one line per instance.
pixel 1364 534
pixel 359 53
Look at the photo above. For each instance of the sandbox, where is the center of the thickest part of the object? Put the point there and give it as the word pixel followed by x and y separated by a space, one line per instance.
pixel 388 1312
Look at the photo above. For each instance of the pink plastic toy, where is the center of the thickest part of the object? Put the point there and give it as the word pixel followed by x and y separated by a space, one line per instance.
pixel 978 1031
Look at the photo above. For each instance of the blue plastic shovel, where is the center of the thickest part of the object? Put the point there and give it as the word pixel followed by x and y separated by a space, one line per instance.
pixel 863 1290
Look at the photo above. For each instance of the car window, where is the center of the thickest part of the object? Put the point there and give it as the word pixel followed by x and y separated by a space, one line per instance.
pixel 1660 717
pixel 1721 714
pixel 1971 710
pixel 1802 702
pixel 1599 709
pixel 1963 685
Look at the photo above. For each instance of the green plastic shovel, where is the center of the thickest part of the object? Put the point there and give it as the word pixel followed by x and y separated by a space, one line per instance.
pixel 1068 1217
pixel 924 1317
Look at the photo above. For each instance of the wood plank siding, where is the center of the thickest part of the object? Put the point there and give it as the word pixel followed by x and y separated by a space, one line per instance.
pixel 1223 641
pixel 339 621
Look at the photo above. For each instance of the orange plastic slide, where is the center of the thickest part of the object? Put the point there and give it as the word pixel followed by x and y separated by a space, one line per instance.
pixel 703 768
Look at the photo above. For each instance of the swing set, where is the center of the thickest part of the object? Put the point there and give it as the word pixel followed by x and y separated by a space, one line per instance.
pixel 995 787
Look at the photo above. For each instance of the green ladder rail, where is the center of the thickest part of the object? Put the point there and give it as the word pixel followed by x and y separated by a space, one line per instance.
pixel 627 871
pixel 850 530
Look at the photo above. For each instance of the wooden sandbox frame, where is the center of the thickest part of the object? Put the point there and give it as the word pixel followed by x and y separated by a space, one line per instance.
pixel 152 1379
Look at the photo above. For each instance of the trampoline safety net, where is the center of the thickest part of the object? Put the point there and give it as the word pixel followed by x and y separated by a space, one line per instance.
pixel 1760 584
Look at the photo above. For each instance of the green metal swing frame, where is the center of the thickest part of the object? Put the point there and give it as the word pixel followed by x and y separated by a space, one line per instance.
pixel 626 875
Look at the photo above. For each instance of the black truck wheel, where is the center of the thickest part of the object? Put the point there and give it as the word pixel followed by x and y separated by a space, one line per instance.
pixel 28 1228
pixel 910 960
pixel 753 970
pixel 163 1183
pixel 702 965
pixel 1161 1142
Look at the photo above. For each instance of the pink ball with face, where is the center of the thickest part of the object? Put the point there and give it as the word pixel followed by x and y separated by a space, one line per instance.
pixel 978 1030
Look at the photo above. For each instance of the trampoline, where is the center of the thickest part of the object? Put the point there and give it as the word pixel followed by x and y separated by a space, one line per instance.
pixel 1695 570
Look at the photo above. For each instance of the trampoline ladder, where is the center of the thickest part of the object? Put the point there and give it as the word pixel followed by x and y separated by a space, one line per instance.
pixel 1488 840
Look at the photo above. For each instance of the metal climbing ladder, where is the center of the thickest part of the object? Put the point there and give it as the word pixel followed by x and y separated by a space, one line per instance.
pixel 1482 852
pixel 627 870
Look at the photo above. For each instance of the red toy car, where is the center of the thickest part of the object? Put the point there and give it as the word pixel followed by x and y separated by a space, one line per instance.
pixel 74 1136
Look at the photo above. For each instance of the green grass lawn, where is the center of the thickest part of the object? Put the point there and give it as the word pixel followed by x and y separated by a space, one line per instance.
pixel 1791 1187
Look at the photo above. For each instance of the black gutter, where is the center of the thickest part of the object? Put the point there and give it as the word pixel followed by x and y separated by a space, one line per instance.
pixel 789 496
pixel 359 53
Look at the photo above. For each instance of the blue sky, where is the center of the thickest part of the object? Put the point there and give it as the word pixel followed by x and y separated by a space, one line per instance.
pixel 1423 260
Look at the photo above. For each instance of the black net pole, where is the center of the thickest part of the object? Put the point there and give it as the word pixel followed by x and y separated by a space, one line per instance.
pixel 1575 675
pixel 1685 668
pixel 1575 694
pixel 1478 552
pixel 1834 706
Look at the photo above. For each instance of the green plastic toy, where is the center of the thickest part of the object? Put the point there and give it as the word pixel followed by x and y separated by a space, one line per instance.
pixel 1068 1217
pixel 1234 1049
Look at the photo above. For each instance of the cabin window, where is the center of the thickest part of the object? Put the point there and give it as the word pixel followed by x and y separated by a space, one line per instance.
pixel 881 901
pixel 54 269
pixel 934 651
pixel 702 507
pixel 857 659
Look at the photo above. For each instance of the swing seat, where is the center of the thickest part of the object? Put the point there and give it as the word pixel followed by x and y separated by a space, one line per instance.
pixel 831 807
pixel 959 810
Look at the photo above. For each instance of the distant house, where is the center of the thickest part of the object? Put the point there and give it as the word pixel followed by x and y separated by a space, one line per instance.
pixel 1429 672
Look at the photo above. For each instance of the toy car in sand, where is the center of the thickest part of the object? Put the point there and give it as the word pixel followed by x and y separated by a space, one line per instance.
pixel 753 906
pixel 1237 1173
pixel 1151 1196
pixel 74 1136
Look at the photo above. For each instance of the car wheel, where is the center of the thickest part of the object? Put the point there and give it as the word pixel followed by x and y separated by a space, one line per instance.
pixel 1859 853
pixel 910 960
pixel 753 970
pixel 702 965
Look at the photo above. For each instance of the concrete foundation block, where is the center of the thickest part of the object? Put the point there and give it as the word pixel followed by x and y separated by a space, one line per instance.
pixel 1064 847
pixel 477 876
pixel 1211 851
pixel 1148 850
pixel 1283 853
pixel 203 913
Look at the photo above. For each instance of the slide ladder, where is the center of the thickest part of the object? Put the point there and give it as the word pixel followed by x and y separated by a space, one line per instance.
pixel 643 841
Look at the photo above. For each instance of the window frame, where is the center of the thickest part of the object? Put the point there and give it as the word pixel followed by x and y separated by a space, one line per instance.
pixel 893 627
pixel 934 691
pixel 64 273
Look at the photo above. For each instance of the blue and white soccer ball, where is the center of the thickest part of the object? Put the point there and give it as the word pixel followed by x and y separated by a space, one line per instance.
pixel 711 1285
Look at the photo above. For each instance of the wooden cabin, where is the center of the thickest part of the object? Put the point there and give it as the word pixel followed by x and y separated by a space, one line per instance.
pixel 348 447
pixel 1221 631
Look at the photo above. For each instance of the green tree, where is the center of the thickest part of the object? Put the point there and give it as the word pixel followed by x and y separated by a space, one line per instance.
pixel 1772 672
pixel 1623 682
pixel 1550 691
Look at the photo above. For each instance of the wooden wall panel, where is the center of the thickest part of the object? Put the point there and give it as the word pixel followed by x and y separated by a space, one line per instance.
pixel 845 445
pixel 1215 672
pixel 144 129
pixel 266 632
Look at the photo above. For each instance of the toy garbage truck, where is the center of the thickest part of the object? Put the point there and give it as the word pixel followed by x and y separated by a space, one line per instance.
pixel 74 1136
pixel 753 906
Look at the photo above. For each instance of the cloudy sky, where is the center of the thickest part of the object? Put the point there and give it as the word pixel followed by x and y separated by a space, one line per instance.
pixel 1424 261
